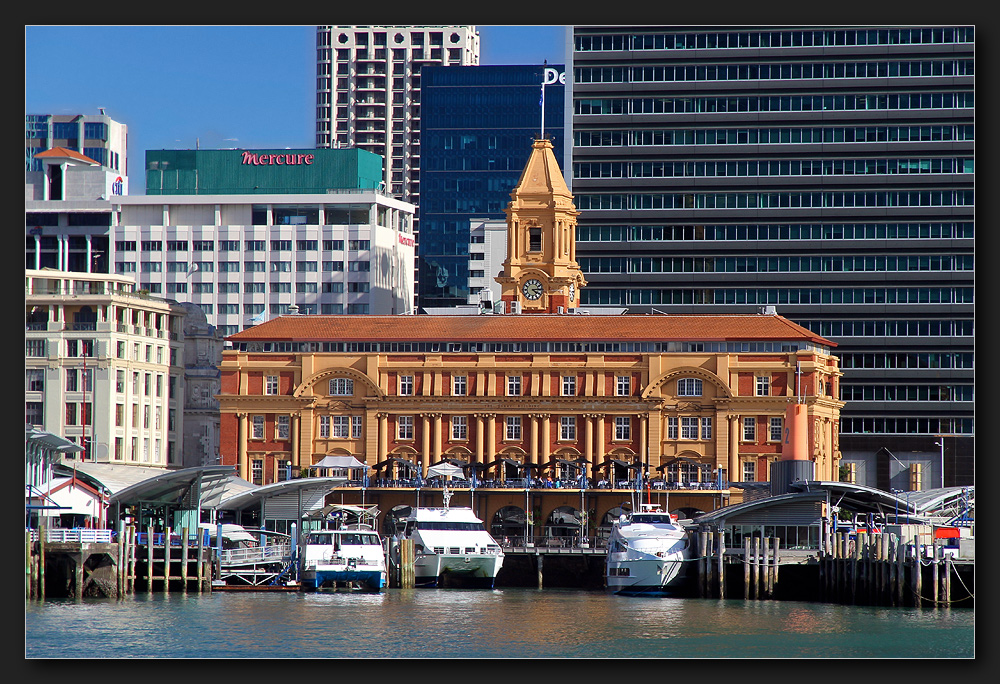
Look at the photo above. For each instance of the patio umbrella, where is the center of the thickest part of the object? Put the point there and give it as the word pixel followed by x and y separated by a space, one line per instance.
pixel 445 469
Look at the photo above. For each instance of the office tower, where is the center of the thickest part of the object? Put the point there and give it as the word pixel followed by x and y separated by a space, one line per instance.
pixel 96 136
pixel 825 171
pixel 368 88
pixel 477 127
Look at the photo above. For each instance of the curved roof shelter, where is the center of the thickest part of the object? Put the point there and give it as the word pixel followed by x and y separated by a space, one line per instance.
pixel 308 487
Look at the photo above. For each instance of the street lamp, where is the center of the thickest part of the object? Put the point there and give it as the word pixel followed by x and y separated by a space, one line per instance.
pixel 896 493
pixel 941 444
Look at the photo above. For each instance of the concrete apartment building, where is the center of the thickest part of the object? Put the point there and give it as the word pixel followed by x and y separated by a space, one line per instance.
pixel 104 367
pixel 368 89
pixel 826 171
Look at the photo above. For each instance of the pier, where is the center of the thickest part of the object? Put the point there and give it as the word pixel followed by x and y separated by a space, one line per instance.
pixel 869 569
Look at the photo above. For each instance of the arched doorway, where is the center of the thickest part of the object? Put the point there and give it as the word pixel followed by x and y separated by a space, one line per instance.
pixel 609 519
pixel 509 526
pixel 564 526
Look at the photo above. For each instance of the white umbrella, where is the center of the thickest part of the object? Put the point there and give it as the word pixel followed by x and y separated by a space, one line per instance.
pixel 445 469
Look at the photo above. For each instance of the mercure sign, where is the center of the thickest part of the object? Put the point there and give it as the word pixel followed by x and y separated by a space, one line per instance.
pixel 295 159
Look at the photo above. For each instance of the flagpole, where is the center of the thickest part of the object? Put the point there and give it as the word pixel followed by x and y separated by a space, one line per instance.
pixel 542 102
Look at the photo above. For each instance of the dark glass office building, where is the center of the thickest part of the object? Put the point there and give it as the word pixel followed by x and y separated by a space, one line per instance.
pixel 477 125
pixel 827 172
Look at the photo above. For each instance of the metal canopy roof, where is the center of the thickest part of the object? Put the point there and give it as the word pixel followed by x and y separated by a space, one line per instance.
pixel 171 486
pixel 254 496
pixel 720 514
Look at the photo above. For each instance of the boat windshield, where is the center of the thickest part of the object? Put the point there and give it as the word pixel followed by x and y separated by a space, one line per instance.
pixel 345 539
pixel 453 526
pixel 651 518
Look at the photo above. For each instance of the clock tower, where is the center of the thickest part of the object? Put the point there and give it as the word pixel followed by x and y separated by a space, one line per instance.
pixel 540 271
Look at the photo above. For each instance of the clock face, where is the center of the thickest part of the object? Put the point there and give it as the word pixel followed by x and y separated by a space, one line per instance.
pixel 532 289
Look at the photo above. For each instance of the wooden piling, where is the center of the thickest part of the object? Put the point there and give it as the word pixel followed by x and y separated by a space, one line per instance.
pixel 720 545
pixel 27 563
pixel 539 557
pixel 709 566
pixel 184 559
pixel 935 574
pixel 201 560
pixel 746 567
pixel 407 578
pixel 766 569
pixel 42 533
pixel 947 579
pixel 900 570
pixel 918 574
pixel 756 567
pixel 149 559
pixel 775 562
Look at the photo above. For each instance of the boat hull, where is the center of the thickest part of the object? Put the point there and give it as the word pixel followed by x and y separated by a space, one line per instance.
pixel 640 576
pixel 445 570
pixel 330 576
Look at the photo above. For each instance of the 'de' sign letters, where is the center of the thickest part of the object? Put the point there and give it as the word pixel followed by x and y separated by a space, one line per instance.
pixel 551 76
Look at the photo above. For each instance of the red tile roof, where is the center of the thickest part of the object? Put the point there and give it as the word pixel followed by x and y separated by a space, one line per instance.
pixel 529 328
pixel 66 153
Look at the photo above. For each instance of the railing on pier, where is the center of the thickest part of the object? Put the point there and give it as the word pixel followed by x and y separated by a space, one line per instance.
pixel 256 554
pixel 79 535
pixel 544 542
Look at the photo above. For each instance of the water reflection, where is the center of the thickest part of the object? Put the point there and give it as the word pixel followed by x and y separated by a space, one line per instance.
pixel 503 623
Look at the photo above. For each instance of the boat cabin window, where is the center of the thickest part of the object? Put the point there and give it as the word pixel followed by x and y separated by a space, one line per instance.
pixel 320 538
pixel 651 518
pixel 451 526
pixel 357 539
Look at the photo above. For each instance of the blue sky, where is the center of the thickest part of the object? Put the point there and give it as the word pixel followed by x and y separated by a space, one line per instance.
pixel 176 87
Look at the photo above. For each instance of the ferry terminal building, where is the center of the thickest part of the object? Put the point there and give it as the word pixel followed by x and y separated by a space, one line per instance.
pixel 541 386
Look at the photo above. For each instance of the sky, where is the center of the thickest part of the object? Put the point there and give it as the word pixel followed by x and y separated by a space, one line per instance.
pixel 182 87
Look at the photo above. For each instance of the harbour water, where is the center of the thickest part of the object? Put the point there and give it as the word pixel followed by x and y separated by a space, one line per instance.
pixel 503 623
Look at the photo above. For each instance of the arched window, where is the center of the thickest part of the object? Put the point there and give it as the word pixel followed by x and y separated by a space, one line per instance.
pixel 689 387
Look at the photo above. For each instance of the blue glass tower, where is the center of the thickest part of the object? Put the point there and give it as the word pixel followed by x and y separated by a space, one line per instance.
pixel 477 125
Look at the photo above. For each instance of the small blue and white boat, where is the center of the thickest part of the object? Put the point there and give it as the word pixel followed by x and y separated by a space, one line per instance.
pixel 349 556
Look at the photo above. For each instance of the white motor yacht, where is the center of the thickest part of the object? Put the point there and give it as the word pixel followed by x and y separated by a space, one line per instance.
pixel 451 547
pixel 647 553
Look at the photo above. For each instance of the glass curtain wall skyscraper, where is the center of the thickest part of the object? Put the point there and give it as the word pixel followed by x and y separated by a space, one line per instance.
pixel 826 171
pixel 477 128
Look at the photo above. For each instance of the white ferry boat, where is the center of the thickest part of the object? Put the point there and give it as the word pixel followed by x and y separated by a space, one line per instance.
pixel 451 547
pixel 350 556
pixel 647 553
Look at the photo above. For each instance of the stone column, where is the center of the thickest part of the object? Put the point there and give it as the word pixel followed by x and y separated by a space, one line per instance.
pixel 243 469
pixel 533 444
pixel 478 456
pixel 437 437
pixel 599 454
pixel 643 437
pixel 588 442
pixel 734 448
pixel 294 427
pixel 491 436
pixel 425 441
pixel 383 435
pixel 545 434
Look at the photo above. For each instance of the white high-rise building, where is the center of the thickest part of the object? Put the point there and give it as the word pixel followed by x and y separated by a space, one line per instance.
pixel 368 91
pixel 244 259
